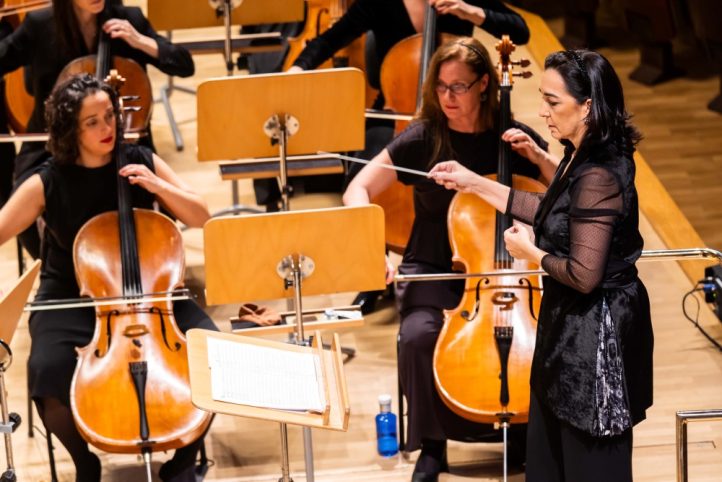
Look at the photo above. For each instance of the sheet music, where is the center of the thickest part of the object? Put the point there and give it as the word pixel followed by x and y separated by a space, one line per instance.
pixel 265 377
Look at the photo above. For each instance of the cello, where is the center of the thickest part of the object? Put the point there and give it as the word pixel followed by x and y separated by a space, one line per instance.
pixel 135 367
pixel 402 74
pixel 482 359
pixel 18 102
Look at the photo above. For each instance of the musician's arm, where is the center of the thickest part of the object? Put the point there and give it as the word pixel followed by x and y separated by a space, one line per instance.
pixel 354 23
pixel 371 181
pixel 18 47
pixel 22 209
pixel 137 31
pixel 170 190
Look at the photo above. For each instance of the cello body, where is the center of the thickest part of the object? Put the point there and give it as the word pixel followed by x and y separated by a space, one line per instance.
pixel 466 362
pixel 19 104
pixel 102 395
pixel 482 359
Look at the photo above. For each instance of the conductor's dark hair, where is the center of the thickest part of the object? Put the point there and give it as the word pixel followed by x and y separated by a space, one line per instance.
pixel 589 75
pixel 62 112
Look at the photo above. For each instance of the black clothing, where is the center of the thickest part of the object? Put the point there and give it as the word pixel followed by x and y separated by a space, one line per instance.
pixel 34 45
pixel 73 195
pixel 389 21
pixel 588 223
pixel 429 241
pixel 427 252
pixel 558 452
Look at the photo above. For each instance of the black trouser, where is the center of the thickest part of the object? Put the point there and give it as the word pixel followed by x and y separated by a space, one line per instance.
pixel 558 452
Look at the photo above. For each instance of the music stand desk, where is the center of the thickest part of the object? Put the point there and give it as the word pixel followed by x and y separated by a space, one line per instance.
pixel 13 302
pixel 345 245
pixel 169 15
pixel 336 416
pixel 181 14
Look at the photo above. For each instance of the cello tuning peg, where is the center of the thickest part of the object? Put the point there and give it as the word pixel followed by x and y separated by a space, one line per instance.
pixel 526 74
pixel 523 63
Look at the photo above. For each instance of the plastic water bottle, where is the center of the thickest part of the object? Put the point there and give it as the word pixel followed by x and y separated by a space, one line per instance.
pixel 386 442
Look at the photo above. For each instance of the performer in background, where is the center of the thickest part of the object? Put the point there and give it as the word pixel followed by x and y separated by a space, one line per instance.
pixel 49 39
pixel 457 121
pixel 78 182
pixel 591 375
pixel 386 22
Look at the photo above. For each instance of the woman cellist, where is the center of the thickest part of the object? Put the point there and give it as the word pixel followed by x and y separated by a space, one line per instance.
pixel 457 121
pixel 76 183
pixel 389 22
pixel 49 39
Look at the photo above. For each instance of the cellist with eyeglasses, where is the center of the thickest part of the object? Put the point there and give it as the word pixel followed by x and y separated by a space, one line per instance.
pixel 458 120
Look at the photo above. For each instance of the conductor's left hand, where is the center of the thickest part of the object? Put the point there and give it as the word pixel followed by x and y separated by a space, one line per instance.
pixel 139 174
pixel 519 242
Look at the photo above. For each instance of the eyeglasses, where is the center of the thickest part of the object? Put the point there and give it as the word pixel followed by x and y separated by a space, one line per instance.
pixel 457 88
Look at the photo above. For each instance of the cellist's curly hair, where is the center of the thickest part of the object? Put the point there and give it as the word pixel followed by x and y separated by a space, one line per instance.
pixel 62 112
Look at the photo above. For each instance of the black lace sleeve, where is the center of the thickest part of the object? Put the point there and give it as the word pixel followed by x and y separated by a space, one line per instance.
pixel 523 205
pixel 596 203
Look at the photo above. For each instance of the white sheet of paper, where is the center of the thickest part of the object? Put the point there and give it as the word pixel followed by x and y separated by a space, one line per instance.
pixel 264 377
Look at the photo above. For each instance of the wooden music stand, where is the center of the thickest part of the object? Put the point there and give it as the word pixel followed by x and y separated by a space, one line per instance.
pixel 169 15
pixel 335 416
pixel 11 307
pixel 279 115
pixel 326 250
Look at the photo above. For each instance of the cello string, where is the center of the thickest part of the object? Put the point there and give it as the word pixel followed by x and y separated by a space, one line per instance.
pixel 364 161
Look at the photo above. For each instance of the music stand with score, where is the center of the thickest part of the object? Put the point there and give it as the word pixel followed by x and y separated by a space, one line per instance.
pixel 169 15
pixel 11 307
pixel 314 252
pixel 280 115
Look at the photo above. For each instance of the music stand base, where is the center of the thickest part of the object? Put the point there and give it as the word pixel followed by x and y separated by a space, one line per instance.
pixel 8 476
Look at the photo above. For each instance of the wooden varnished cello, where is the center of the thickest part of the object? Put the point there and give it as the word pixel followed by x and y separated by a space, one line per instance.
pixel 482 359
pixel 135 368
pixel 402 76
pixel 18 102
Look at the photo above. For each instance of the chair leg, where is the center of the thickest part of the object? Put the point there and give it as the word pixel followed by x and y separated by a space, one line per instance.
pixel 31 428
pixel 51 457
pixel 202 467
pixel 402 431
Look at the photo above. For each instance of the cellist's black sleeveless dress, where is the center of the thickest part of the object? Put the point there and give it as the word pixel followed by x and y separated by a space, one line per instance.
pixel 73 195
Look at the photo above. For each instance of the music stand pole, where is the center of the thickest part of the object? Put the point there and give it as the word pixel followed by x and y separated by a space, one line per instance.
pixel 227 53
pixel 8 426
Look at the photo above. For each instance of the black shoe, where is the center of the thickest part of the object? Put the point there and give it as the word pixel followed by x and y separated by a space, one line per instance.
pixel 430 464
pixel 367 301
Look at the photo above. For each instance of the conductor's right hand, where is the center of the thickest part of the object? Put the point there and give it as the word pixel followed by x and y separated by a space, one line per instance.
pixel 453 175
pixel 294 68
